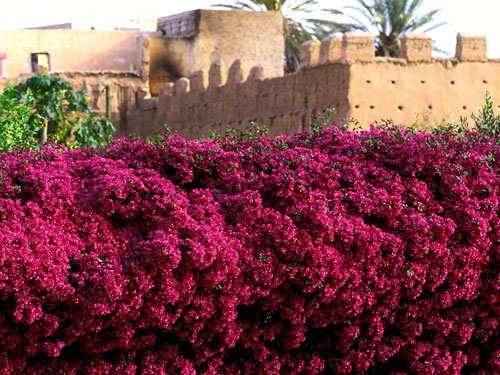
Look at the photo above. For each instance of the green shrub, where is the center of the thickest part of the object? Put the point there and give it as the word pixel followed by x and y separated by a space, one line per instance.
pixel 53 111
pixel 19 126
pixel 252 132
pixel 322 120
pixel 486 121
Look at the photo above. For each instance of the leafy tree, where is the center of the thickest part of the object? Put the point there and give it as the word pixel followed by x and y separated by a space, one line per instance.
pixel 389 20
pixel 19 126
pixel 65 113
pixel 300 23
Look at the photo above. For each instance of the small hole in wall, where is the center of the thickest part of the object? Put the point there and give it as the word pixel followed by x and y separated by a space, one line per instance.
pixel 356 106
pixel 40 62
pixel 372 107
pixel 400 107
pixel 393 82
pixel 422 82
pixel 485 82
pixel 368 81
pixel 430 107
pixel 452 82
pixel 464 107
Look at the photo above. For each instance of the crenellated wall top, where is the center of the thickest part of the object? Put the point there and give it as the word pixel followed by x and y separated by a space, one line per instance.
pixel 360 47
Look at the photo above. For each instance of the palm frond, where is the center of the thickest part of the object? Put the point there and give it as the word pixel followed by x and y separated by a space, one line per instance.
pixel 227 6
pixel 414 6
pixel 302 5
pixel 236 6
pixel 331 11
pixel 330 27
pixel 433 27
pixel 420 21
pixel 252 5
pixel 369 8
pixel 438 49
pixel 390 19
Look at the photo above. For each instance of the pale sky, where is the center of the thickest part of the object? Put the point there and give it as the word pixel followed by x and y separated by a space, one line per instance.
pixel 472 17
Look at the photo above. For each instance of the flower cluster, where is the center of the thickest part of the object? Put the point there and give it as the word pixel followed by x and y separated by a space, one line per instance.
pixel 339 252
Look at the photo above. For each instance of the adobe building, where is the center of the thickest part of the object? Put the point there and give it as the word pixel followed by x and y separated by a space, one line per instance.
pixel 340 73
pixel 207 70
pixel 181 45
pixel 192 41
pixel 60 50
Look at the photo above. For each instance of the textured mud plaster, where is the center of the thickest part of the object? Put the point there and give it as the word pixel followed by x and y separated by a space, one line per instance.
pixel 340 73
pixel 199 38
pixel 71 51
pixel 424 93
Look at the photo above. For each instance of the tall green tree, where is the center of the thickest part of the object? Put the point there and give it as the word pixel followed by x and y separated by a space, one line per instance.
pixel 48 109
pixel 19 125
pixel 389 20
pixel 303 20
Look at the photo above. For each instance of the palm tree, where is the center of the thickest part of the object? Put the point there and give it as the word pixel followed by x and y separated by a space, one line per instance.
pixel 389 20
pixel 303 21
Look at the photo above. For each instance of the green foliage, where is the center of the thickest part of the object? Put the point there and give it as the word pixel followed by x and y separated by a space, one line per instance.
pixel 385 123
pixel 59 113
pixel 252 132
pixel 460 127
pixel 219 136
pixel 389 20
pixel 486 121
pixel 303 20
pixel 160 137
pixel 19 127
pixel 321 120
pixel 92 131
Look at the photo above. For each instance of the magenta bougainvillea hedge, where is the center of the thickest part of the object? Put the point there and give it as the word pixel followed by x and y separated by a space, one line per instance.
pixel 338 253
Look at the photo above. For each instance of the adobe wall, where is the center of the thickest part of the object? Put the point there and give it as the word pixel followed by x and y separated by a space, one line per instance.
pixel 415 89
pixel 169 59
pixel 191 41
pixel 423 92
pixel 183 44
pixel 195 107
pixel 338 72
pixel 72 51
pixel 123 88
pixel 196 39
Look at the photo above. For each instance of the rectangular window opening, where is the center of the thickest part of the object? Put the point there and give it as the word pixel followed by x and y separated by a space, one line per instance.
pixel 40 62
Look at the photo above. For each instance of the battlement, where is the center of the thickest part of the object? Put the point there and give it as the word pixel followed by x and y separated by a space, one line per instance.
pixel 339 72
pixel 359 47
pixel 213 84
pixel 471 48
pixel 206 80
pixel 347 49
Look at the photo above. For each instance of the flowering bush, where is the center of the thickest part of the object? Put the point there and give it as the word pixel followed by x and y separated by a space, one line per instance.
pixel 340 252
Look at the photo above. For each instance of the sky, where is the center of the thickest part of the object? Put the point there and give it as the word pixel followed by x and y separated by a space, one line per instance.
pixel 472 17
